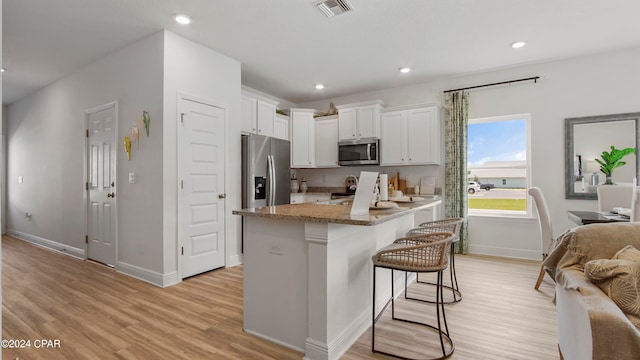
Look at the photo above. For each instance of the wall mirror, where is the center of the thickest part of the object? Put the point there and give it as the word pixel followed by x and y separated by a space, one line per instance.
pixel 585 140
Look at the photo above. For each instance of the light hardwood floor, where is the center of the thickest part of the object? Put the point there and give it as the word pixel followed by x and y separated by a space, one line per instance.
pixel 97 313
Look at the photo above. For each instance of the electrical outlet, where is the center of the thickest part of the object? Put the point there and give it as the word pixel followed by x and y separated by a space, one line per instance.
pixel 275 249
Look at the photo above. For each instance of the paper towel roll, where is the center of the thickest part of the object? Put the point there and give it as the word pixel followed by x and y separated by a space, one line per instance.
pixel 384 187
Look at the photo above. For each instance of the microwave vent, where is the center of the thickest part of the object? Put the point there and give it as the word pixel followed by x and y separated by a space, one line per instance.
pixel 332 8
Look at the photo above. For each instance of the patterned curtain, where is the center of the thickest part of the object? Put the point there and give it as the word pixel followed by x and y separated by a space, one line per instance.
pixel 455 185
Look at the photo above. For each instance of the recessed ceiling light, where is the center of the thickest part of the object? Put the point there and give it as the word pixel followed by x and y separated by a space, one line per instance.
pixel 182 19
pixel 518 44
pixel 404 70
pixel 319 86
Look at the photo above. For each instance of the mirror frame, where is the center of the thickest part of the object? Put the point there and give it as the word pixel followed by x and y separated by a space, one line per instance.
pixel 568 149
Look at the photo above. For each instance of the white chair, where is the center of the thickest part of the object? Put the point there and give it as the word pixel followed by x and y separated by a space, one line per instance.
pixel 546 234
pixel 612 196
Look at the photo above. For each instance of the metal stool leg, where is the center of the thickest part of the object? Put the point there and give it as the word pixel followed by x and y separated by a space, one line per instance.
pixel 457 295
pixel 443 334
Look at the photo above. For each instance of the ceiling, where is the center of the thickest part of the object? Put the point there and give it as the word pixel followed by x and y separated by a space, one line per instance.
pixel 287 46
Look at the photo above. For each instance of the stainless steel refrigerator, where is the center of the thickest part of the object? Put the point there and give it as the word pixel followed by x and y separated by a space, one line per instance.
pixel 265 171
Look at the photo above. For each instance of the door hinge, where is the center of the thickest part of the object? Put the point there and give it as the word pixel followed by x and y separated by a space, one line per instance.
pixel 86 185
pixel 87 133
pixel 181 184
pixel 86 239
pixel 182 250
pixel 182 117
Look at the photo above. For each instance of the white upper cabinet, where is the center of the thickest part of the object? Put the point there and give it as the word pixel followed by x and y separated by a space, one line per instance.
pixel 410 136
pixel 249 115
pixel 302 138
pixel 393 144
pixel 423 136
pixel 258 115
pixel 359 121
pixel 326 141
pixel 281 127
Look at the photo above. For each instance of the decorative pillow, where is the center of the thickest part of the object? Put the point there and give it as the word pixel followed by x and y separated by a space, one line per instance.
pixel 619 278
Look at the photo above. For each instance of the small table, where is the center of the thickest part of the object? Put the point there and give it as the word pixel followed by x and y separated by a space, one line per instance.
pixel 592 217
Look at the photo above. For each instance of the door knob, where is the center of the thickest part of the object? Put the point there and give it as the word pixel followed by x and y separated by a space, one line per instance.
pixel 222 196
pixel 111 195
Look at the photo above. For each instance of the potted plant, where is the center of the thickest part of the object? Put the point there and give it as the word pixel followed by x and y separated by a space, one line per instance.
pixel 612 160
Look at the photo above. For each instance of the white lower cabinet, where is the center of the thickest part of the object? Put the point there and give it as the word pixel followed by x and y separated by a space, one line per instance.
pixel 299 198
pixel 410 136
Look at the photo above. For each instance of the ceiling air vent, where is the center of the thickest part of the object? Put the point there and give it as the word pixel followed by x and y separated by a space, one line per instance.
pixel 334 7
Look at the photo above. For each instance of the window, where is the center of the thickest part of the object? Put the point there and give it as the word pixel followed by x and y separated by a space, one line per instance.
pixel 498 158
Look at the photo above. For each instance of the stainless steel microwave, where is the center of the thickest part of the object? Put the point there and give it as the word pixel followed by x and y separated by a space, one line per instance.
pixel 359 152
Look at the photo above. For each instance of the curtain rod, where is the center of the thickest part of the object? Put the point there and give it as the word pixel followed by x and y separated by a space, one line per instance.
pixel 535 80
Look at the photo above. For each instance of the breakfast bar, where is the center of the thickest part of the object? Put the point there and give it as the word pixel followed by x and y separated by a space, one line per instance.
pixel 308 273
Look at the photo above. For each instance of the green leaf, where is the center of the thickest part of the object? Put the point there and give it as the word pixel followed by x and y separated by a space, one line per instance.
pixel 612 160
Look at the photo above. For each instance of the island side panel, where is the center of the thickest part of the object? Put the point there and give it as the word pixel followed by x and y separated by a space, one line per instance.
pixel 340 282
pixel 275 281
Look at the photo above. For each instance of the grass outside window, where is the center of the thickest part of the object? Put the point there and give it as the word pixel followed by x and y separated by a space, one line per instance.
pixel 498 204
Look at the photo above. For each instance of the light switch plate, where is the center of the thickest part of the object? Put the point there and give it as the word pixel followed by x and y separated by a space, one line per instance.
pixel 132 178
pixel 19 179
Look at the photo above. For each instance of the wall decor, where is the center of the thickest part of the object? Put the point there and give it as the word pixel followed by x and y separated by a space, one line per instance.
pixel 585 138
pixel 146 119
pixel 127 147
pixel 135 135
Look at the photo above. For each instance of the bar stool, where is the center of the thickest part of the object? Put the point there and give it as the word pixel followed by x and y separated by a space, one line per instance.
pixel 453 225
pixel 416 253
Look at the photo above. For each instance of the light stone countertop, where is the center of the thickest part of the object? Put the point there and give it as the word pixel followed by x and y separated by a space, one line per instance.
pixel 337 213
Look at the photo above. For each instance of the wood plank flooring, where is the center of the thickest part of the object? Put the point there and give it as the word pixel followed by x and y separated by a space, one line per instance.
pixel 97 313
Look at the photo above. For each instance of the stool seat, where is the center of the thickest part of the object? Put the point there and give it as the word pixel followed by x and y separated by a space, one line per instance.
pixel 416 253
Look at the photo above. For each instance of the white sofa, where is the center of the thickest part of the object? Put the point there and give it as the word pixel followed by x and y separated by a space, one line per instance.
pixel 590 324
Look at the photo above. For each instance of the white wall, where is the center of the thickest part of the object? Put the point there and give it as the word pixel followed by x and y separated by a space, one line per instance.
pixel 194 70
pixel 46 146
pixel 591 85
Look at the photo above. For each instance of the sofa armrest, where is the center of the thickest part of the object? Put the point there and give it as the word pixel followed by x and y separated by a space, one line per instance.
pixel 574 326
pixel 590 325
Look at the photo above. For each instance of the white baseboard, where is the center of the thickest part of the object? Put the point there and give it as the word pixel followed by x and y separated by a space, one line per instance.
pixel 289 346
pixel 234 260
pixel 170 279
pixel 49 244
pixel 152 277
pixel 315 349
pixel 505 252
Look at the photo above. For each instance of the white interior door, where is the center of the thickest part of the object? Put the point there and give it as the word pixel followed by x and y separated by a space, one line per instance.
pixel 101 217
pixel 201 181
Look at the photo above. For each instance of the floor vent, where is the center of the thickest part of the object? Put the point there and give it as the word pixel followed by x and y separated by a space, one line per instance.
pixel 333 7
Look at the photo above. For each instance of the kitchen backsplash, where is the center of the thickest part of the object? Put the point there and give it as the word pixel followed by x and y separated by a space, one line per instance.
pixel 335 177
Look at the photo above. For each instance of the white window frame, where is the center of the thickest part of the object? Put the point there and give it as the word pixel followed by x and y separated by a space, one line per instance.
pixel 528 213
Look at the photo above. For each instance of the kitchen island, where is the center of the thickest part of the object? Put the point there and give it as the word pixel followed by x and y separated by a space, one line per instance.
pixel 308 273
